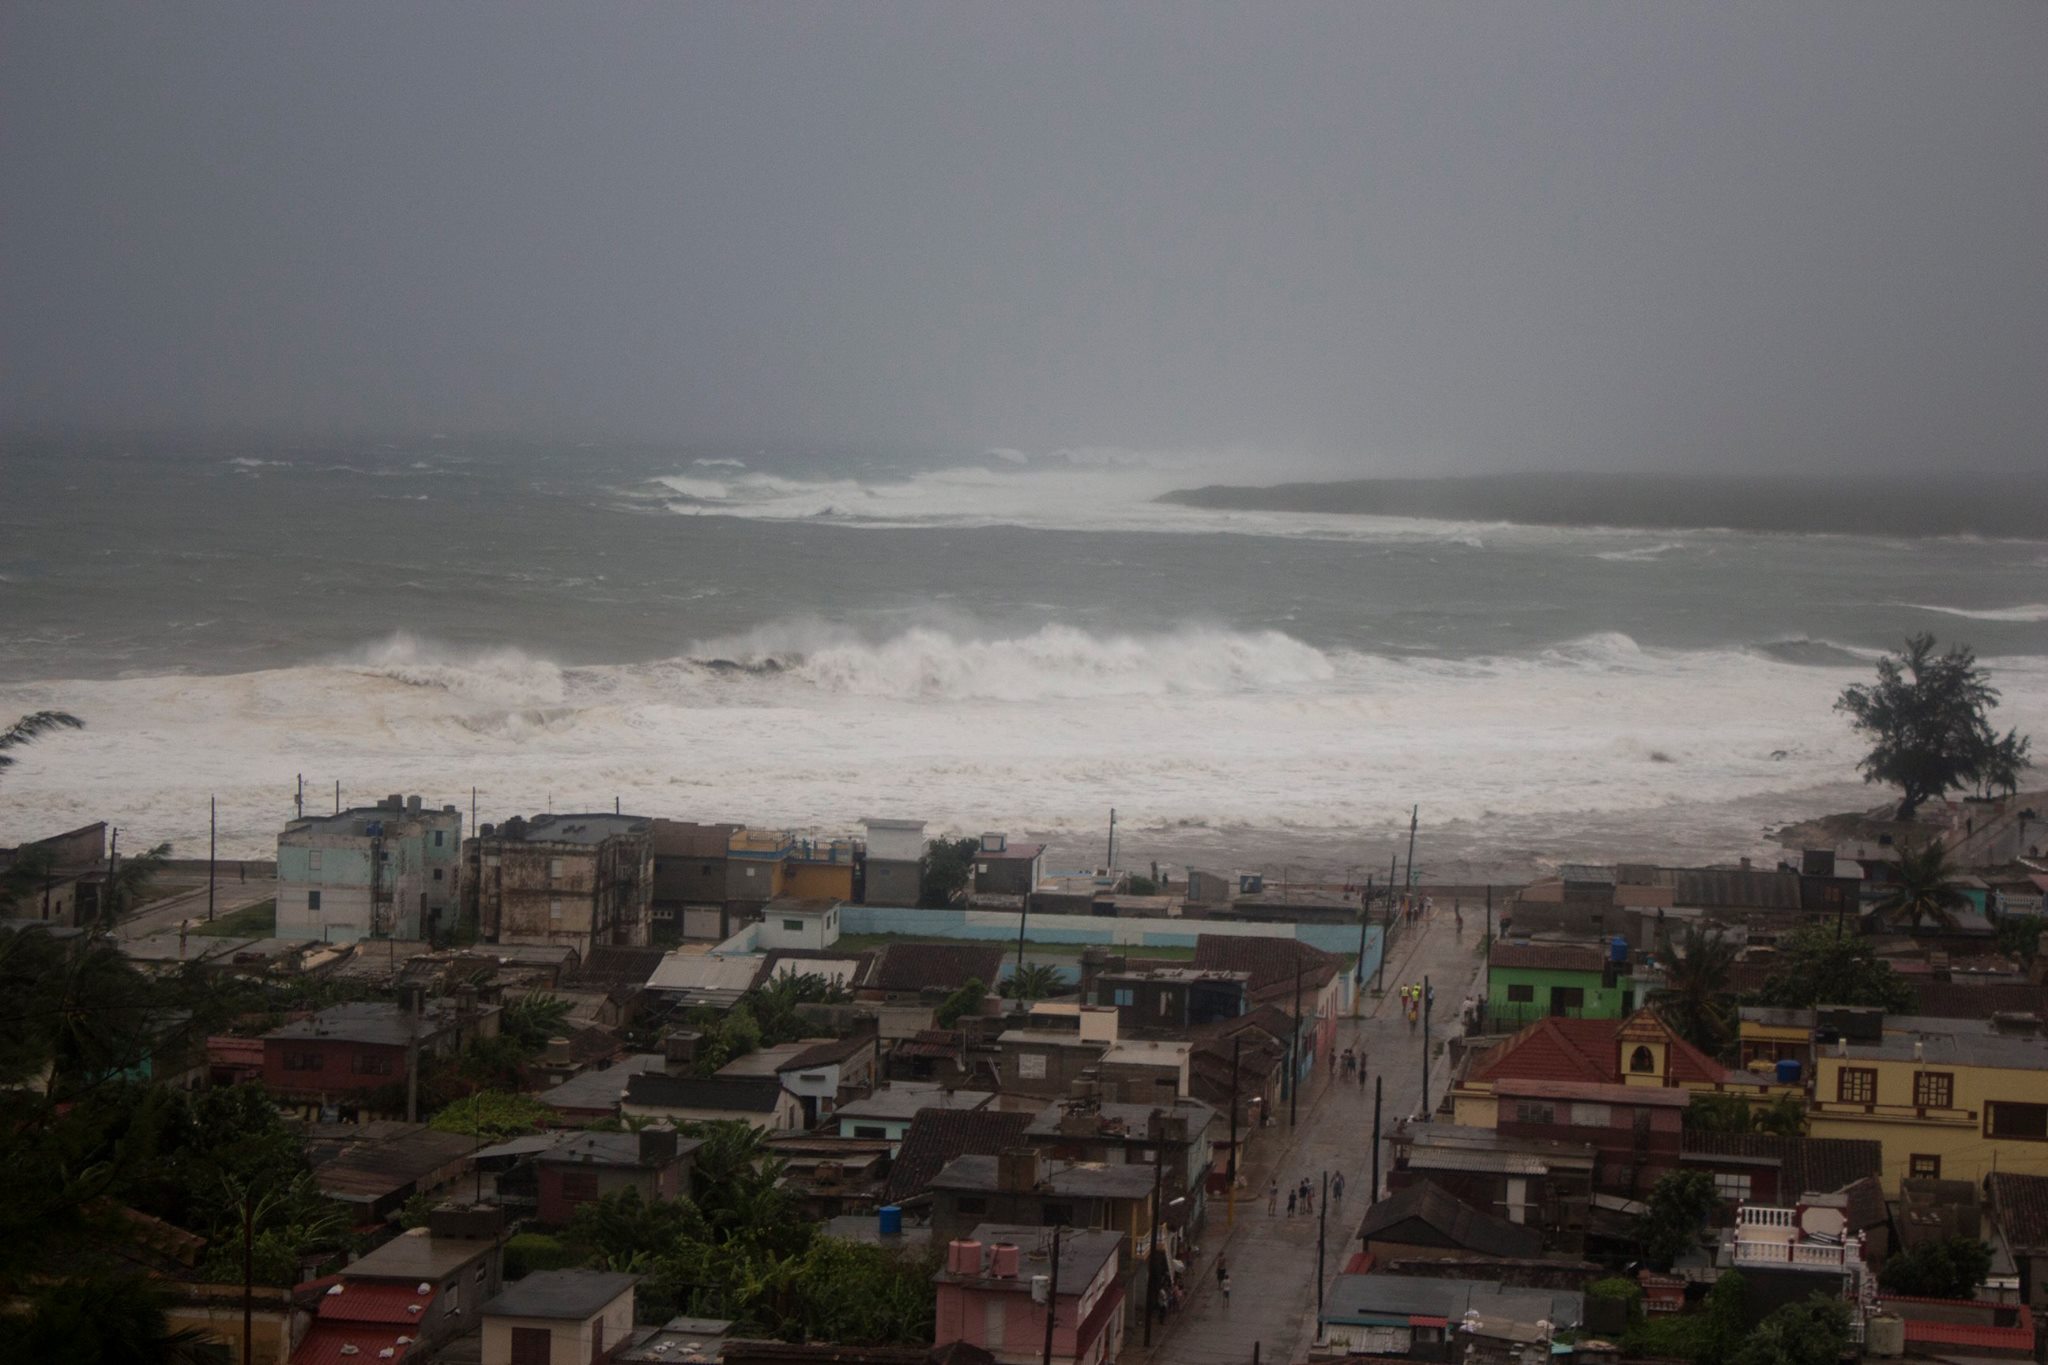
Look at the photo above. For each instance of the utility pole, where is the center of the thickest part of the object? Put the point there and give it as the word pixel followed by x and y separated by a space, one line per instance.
pixel 1364 925
pixel 1230 1204
pixel 337 796
pixel 248 1273
pixel 299 797
pixel 1294 1061
pixel 1425 1049
pixel 107 906
pixel 1152 1256
pixel 212 837
pixel 1109 857
pixel 412 1056
pixel 1379 985
pixel 1322 1240
pixel 1023 913
pixel 1378 1086
pixel 1052 1294
pixel 1408 883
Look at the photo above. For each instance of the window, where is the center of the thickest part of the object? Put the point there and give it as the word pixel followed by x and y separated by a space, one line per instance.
pixel 440 838
pixel 532 1346
pixel 1856 1085
pixel 1165 1004
pixel 1521 995
pixel 437 874
pixel 1564 998
pixel 1923 1167
pixel 983 869
pixel 1054 1215
pixel 303 1061
pixel 312 900
pixel 1525 1112
pixel 1592 1115
pixel 1126 995
pixel 793 926
pixel 972 1204
pixel 370 1064
pixel 554 867
pixel 313 860
pixel 579 1187
pixel 2027 1122
pixel 1934 1089
pixel 1642 1061
pixel 1732 1185
pixel 554 909
pixel 870 1130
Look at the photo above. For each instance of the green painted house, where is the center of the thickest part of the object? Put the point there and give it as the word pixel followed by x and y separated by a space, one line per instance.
pixel 1527 981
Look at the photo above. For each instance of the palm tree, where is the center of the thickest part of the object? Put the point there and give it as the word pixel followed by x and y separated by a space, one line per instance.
pixel 1925 890
pixel 1034 981
pixel 30 727
pixel 1695 982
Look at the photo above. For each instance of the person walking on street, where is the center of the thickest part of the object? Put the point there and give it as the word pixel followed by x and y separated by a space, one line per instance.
pixel 1337 1187
pixel 1272 1198
pixel 1292 1195
pixel 1223 1283
pixel 1222 1273
pixel 1308 1197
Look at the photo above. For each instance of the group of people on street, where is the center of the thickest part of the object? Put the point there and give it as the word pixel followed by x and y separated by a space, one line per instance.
pixel 1416 999
pixel 1302 1198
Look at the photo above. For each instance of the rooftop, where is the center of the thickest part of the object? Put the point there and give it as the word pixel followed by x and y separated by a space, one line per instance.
pixel 570 829
pixel 1425 1214
pixel 600 1088
pixel 904 1100
pixel 608 1149
pixel 2021 1204
pixel 356 822
pixel 371 1170
pixel 1121 1120
pixel 371 1021
pixel 1083 1179
pixel 936 966
pixel 417 1256
pixel 1548 957
pixel 1413 1299
pixel 1557 1049
pixel 1083 1253
pixel 1820 1165
pixel 1270 961
pixel 726 1094
pixel 566 1294
pixel 938 1136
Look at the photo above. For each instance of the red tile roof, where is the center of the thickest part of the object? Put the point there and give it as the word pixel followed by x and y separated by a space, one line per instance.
pixel 2018 1337
pixel 323 1345
pixel 364 1301
pixel 1588 1050
pixel 936 966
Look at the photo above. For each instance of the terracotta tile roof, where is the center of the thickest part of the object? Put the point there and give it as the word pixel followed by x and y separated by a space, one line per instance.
pixel 1549 957
pixel 2021 1205
pixel 1270 961
pixel 1821 1165
pixel 938 1136
pixel 324 1342
pixel 2017 1337
pixel 373 1301
pixel 936 966
pixel 1586 1050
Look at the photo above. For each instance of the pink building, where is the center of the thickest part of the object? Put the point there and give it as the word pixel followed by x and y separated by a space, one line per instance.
pixel 998 1283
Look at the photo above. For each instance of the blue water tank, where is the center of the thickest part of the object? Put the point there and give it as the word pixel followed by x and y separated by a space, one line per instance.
pixel 1788 1072
pixel 1617 950
pixel 891 1216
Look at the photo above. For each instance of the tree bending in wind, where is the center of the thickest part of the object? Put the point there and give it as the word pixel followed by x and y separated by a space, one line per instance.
pixel 1695 980
pixel 1925 892
pixel 31 728
pixel 1928 716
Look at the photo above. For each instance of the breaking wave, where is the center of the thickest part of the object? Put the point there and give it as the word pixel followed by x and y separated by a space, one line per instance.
pixel 2031 612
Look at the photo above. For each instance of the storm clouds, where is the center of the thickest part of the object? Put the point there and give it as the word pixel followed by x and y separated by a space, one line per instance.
pixel 1351 238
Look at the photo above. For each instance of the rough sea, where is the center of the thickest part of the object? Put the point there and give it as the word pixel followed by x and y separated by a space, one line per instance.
pixel 988 643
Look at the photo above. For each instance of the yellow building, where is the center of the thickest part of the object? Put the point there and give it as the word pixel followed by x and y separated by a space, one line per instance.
pixel 1948 1098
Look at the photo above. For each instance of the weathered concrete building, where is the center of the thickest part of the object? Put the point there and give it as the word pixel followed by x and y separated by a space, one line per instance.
pixel 895 862
pixel 65 874
pixel 390 870
pixel 690 879
pixel 578 880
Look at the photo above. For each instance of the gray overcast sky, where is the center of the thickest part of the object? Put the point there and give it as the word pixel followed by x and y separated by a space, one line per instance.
pixel 1396 237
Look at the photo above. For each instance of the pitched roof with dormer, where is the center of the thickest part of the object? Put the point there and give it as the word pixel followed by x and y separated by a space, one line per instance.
pixel 1590 1050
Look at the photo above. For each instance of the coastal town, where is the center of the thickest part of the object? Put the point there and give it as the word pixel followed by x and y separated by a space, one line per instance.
pixel 614 1086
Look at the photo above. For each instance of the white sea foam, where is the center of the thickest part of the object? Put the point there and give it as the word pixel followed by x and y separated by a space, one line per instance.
pixel 1197 727
pixel 1640 553
pixel 1076 490
pixel 2031 612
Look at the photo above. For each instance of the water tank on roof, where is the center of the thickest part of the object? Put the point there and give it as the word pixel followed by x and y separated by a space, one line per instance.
pixel 1003 1261
pixel 1788 1071
pixel 890 1220
pixel 1617 950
